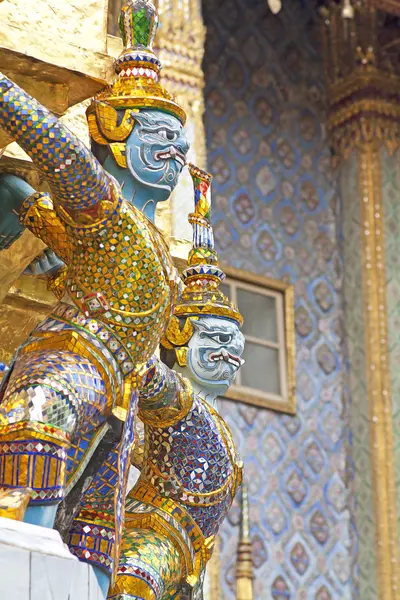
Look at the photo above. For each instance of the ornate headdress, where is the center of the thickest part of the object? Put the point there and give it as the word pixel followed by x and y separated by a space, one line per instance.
pixel 137 85
pixel 202 277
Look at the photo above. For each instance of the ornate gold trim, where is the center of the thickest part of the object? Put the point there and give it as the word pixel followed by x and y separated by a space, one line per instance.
pixel 378 375
pixel 363 121
pixel 363 85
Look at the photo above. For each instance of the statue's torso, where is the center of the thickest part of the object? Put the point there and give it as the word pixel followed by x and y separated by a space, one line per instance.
pixel 120 277
pixel 195 464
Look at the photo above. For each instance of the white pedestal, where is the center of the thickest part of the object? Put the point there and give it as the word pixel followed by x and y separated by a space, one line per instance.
pixel 36 565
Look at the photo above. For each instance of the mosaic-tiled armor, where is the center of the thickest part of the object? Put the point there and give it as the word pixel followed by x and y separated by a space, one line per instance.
pixel 118 286
pixel 190 469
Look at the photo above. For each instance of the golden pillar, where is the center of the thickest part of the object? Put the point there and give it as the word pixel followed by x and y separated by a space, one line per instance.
pixel 244 565
pixel 364 128
pixel 181 50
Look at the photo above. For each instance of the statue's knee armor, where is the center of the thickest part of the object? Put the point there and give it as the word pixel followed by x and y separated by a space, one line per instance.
pixel 61 389
pixel 50 396
pixel 149 568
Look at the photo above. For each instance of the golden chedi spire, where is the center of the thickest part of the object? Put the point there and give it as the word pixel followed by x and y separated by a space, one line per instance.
pixel 244 565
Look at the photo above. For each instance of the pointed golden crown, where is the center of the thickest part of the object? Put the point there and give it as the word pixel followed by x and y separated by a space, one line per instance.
pixel 137 84
pixel 203 276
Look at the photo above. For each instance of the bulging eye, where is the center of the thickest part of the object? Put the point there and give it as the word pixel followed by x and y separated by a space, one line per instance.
pixel 223 338
pixel 167 134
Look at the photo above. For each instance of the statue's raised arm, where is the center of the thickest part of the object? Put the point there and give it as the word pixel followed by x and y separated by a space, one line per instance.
pixel 77 180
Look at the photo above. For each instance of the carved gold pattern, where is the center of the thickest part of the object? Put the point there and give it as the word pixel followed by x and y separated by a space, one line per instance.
pixel 363 84
pixel 378 376
pixel 362 121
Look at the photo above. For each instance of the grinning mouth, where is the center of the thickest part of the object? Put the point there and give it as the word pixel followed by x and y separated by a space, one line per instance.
pixel 227 357
pixel 171 152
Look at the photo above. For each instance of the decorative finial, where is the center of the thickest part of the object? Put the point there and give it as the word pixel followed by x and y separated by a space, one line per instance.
pixel 138 23
pixel 244 566
pixel 203 252
pixel 203 275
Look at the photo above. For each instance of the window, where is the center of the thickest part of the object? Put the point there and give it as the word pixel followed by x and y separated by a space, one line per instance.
pixel 267 377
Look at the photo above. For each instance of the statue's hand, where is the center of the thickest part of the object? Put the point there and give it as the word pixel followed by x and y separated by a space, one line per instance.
pixel 13 191
pixel 47 263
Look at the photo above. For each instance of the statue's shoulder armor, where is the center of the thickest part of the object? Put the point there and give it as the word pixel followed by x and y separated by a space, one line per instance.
pixel 38 214
pixel 100 219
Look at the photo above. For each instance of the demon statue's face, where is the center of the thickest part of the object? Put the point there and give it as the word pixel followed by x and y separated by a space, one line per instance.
pixel 156 152
pixel 215 351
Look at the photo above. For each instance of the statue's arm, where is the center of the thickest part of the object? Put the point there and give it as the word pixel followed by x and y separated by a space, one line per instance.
pixel 165 396
pixel 77 180
pixel 13 192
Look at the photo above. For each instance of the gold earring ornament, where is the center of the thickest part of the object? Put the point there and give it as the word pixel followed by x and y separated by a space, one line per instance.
pixel 181 356
pixel 175 336
pixel 118 150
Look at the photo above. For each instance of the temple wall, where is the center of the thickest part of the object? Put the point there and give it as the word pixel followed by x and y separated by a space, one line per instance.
pixel 276 213
pixel 359 409
pixel 391 215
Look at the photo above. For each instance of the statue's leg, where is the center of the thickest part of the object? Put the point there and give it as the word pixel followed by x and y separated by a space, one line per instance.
pixel 92 533
pixel 50 397
pixel 150 567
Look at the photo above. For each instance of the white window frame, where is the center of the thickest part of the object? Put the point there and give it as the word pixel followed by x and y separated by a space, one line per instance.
pixel 284 296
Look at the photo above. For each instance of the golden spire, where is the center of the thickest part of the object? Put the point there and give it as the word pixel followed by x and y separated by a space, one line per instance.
pixel 244 566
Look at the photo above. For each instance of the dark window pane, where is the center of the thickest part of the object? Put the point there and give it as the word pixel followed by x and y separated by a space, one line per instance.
pixel 261 369
pixel 259 314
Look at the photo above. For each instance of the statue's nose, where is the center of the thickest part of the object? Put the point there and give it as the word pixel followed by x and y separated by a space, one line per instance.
pixel 183 146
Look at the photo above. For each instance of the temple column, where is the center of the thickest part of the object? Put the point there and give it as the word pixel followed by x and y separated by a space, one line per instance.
pixel 364 127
